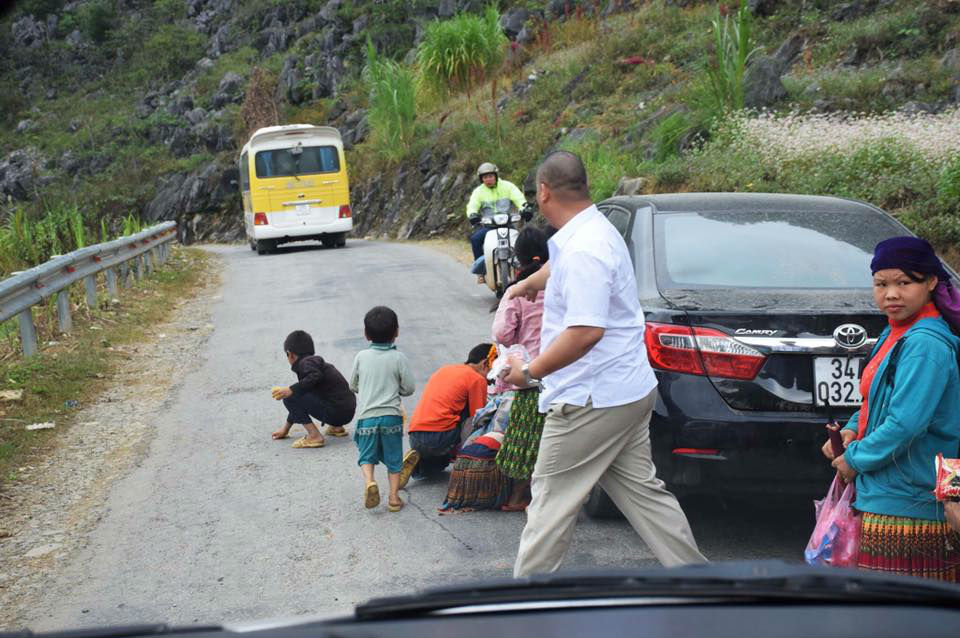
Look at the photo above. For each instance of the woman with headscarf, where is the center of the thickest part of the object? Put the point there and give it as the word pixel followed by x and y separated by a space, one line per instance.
pixel 910 413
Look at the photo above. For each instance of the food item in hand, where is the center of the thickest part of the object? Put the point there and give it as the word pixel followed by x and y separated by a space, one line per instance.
pixel 948 479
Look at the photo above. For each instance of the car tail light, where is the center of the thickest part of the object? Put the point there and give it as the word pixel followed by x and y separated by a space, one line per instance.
pixel 345 211
pixel 259 219
pixel 701 351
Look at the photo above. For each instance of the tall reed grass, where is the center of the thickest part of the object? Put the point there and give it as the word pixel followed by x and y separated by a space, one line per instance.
pixel 27 240
pixel 460 53
pixel 393 103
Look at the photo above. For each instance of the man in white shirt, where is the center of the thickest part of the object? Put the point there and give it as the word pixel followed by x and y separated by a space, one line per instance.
pixel 598 387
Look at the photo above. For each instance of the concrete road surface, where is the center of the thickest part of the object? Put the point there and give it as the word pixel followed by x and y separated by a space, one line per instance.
pixel 219 523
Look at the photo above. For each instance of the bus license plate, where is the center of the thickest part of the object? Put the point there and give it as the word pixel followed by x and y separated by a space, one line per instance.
pixel 837 380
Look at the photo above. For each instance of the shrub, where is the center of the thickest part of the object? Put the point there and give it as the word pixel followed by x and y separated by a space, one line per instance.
pixel 96 19
pixel 259 106
pixel 948 185
pixel 393 103
pixel 605 166
pixel 170 10
pixel 170 49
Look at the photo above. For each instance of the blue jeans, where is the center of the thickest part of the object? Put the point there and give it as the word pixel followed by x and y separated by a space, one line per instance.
pixel 476 240
pixel 479 267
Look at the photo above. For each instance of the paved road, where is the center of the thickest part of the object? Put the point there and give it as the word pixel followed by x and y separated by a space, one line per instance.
pixel 220 523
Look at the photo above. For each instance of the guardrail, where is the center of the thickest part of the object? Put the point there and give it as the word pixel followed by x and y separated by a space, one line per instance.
pixel 22 291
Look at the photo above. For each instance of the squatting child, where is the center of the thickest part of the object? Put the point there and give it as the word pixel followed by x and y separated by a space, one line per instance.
pixel 320 392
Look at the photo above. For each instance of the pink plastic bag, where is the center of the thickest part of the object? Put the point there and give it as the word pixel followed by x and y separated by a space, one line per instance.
pixel 836 536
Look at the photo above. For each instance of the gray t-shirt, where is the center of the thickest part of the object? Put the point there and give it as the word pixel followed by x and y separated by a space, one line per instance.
pixel 380 376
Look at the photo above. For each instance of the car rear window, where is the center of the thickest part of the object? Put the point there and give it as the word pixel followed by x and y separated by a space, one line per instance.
pixel 763 249
pixel 283 162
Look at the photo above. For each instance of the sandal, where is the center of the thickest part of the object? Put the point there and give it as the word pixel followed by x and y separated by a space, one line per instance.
pixel 410 460
pixel 371 495
pixel 395 507
pixel 305 442
pixel 336 430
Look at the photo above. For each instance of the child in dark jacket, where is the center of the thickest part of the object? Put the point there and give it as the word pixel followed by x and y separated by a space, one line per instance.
pixel 320 392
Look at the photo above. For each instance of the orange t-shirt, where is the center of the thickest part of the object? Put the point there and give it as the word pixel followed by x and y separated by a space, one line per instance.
pixel 897 330
pixel 451 389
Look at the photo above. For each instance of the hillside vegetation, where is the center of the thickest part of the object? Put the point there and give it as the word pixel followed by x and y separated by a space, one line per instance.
pixel 113 108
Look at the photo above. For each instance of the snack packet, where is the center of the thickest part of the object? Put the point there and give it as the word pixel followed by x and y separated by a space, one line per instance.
pixel 948 479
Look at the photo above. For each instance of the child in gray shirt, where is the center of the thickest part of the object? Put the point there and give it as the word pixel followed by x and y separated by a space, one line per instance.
pixel 381 375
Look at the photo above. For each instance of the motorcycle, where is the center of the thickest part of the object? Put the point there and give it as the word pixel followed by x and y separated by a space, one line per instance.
pixel 502 219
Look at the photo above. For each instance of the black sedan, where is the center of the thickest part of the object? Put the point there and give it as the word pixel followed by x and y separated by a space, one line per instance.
pixel 759 320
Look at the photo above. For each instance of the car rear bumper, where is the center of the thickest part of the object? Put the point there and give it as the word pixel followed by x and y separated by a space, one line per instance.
pixel 707 447
pixel 293 233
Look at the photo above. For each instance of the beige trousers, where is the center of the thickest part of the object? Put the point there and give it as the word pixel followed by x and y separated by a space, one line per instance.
pixel 583 446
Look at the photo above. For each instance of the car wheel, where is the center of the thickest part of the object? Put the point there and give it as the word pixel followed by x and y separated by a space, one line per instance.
pixel 599 505
pixel 341 240
pixel 328 242
pixel 265 246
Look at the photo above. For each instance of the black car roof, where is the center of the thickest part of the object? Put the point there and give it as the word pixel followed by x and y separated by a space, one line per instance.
pixel 715 202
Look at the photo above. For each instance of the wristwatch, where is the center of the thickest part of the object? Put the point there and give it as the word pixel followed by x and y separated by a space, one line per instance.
pixel 529 380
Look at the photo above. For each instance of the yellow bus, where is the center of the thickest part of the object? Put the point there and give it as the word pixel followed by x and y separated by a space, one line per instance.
pixel 293 180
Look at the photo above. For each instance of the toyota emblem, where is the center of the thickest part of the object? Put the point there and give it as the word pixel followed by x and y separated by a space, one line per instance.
pixel 850 336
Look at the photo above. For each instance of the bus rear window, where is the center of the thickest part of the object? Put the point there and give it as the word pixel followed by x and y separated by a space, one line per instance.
pixel 283 162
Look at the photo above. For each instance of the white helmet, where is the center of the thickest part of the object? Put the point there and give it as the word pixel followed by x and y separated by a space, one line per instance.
pixel 486 168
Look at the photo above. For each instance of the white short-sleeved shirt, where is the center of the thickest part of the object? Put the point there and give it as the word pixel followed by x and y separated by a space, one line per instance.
pixel 592 283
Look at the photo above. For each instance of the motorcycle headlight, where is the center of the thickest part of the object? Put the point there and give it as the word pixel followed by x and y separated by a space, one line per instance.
pixel 515 218
pixel 500 219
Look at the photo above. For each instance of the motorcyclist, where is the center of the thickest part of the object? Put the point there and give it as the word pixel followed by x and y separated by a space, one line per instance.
pixel 491 190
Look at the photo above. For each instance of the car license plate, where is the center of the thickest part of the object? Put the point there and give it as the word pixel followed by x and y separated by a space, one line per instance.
pixel 303 209
pixel 837 380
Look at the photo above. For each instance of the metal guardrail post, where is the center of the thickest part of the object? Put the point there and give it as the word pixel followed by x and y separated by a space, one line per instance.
pixel 111 275
pixel 151 261
pixel 28 333
pixel 140 266
pixel 63 310
pixel 90 284
pixel 125 274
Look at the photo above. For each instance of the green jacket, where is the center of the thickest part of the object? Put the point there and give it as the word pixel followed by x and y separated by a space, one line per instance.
pixel 483 194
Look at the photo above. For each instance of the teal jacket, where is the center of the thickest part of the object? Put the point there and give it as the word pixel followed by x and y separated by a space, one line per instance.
pixel 909 422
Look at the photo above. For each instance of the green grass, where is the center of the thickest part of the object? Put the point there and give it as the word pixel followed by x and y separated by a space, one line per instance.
pixel 79 366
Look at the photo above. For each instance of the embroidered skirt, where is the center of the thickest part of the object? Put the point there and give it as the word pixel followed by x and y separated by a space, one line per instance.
pixel 912 546
pixel 518 454
pixel 475 484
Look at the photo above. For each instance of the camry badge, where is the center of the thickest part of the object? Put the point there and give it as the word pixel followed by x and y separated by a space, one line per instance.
pixel 850 336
